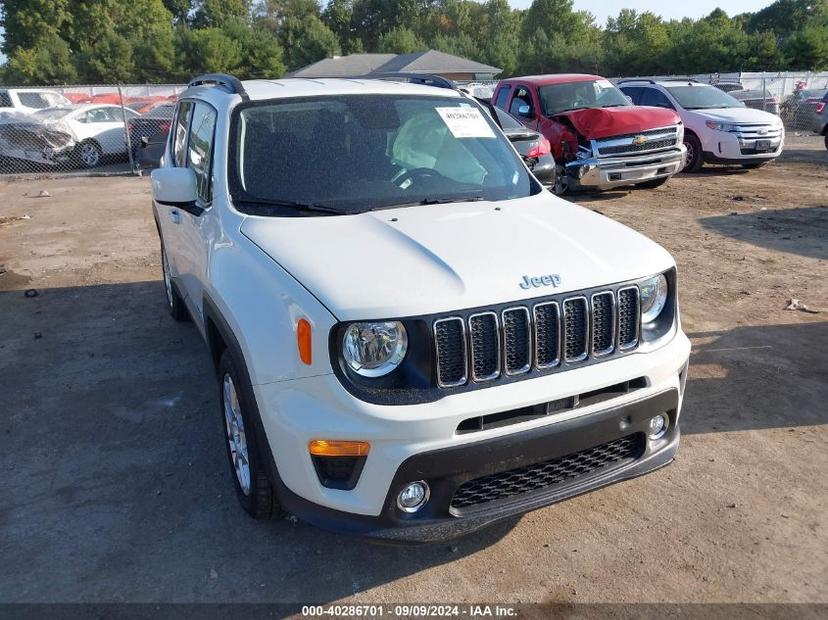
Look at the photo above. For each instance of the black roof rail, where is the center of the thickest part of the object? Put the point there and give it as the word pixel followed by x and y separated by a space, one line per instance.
pixel 676 78
pixel 426 79
pixel 231 83
pixel 648 80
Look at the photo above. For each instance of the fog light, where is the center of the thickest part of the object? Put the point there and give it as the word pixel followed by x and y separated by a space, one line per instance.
pixel 413 496
pixel 658 426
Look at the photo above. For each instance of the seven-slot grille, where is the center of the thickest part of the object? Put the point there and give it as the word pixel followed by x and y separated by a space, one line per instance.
pixel 543 336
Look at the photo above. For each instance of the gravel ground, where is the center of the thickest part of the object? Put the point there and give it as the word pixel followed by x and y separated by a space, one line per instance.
pixel 113 485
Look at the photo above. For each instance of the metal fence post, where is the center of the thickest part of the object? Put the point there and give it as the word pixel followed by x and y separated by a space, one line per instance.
pixel 126 129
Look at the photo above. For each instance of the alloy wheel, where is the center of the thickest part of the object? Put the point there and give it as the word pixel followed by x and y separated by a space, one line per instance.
pixel 89 155
pixel 236 436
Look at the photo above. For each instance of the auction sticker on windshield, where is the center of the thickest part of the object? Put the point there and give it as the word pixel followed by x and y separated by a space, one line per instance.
pixel 465 122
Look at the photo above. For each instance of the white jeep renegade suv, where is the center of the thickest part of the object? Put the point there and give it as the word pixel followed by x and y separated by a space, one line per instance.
pixel 413 338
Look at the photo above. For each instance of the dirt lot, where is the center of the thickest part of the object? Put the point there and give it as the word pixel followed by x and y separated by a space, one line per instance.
pixel 113 485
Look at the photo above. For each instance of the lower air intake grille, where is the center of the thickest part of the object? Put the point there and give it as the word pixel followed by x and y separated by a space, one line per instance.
pixel 516 482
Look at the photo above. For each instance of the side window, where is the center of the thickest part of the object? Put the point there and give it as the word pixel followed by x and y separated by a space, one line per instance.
pixel 182 125
pixel 633 92
pixel 503 97
pixel 200 148
pixel 655 98
pixel 522 98
pixel 5 99
pixel 98 115
pixel 33 100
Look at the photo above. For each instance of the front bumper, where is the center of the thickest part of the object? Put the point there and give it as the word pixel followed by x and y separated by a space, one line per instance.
pixel 447 469
pixel 728 148
pixel 297 411
pixel 608 172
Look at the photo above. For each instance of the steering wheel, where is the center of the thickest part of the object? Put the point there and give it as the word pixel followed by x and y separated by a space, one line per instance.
pixel 415 174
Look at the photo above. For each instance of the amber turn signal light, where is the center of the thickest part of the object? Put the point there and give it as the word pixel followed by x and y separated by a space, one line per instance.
pixel 303 341
pixel 324 447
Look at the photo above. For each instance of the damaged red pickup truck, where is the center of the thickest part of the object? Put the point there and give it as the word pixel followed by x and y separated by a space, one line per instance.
pixel 599 139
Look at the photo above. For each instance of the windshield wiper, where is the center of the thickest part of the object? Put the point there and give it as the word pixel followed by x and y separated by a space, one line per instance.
pixel 443 201
pixel 293 204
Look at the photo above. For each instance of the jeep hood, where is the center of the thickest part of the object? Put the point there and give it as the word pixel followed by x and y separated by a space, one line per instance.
pixel 597 123
pixel 442 258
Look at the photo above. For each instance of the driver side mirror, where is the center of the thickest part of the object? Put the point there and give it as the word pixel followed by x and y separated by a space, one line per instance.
pixel 176 187
pixel 525 111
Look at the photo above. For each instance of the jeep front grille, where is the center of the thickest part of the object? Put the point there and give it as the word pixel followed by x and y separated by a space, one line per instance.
pixel 654 140
pixel 545 336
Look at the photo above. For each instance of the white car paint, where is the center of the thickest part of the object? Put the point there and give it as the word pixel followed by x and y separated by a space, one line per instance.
pixel 30 99
pixel 263 274
pixel 748 125
pixel 100 126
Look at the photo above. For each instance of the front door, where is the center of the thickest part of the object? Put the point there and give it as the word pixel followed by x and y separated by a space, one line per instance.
pixel 198 228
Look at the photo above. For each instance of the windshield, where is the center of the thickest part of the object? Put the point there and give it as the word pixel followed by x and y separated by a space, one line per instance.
pixel 701 97
pixel 346 154
pixel 557 98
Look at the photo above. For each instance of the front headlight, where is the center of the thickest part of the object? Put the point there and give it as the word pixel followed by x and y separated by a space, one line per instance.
pixel 374 349
pixel 720 126
pixel 653 298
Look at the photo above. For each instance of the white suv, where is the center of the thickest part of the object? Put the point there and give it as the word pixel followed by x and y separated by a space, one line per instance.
pixel 29 100
pixel 717 128
pixel 413 338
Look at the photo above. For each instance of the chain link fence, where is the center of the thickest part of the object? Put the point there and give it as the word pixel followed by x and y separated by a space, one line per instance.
pixel 83 129
pixel 122 128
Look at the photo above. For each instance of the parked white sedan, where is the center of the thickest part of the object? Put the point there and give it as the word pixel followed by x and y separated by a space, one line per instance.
pixel 98 130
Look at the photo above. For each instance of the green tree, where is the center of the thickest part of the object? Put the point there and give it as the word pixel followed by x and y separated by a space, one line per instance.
pixel 338 16
pixel 218 13
pixel 179 9
pixel 48 61
pixel 400 41
pixel 785 17
pixel 557 39
pixel 109 59
pixel 29 22
pixel 307 41
pixel 808 48
pixel 207 50
pixel 635 44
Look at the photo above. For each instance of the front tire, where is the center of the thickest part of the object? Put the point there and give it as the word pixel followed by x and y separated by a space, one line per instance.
pixel 89 154
pixel 245 446
pixel 826 139
pixel 560 186
pixel 694 153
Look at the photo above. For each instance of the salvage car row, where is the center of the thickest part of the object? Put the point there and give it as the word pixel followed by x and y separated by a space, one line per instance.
pixel 572 130
pixel 44 128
